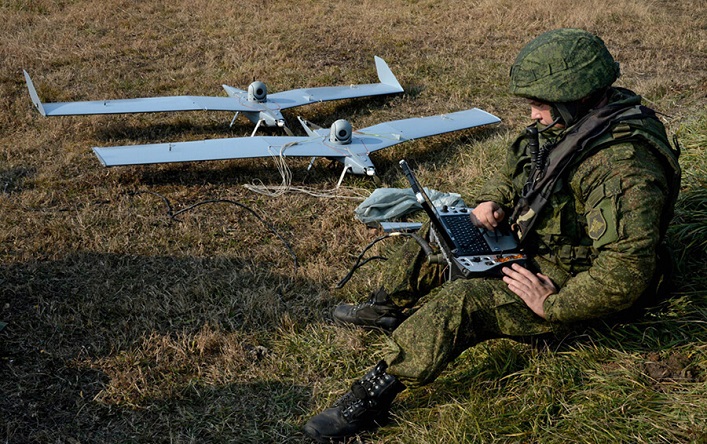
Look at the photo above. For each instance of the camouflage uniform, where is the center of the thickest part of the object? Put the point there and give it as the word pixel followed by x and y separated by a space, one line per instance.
pixel 596 239
pixel 591 202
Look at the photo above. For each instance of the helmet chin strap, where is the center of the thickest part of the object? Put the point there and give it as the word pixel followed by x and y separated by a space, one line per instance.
pixel 570 112
pixel 564 113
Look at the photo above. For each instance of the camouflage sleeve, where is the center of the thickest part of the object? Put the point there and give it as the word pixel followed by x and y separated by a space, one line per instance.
pixel 498 189
pixel 623 188
pixel 503 187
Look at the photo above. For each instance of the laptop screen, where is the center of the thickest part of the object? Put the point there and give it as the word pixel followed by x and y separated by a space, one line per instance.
pixel 427 204
pixel 472 256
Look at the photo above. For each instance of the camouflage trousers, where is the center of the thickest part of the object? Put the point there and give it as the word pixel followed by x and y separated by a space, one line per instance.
pixel 447 317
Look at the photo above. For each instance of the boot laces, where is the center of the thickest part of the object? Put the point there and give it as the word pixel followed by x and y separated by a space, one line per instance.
pixel 367 394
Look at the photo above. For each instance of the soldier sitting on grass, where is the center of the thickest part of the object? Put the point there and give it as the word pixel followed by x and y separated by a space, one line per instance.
pixel 590 207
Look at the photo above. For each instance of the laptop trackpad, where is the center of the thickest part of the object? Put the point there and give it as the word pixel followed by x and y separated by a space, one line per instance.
pixel 500 241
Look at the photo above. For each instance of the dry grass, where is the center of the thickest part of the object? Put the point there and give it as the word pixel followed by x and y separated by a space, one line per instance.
pixel 125 325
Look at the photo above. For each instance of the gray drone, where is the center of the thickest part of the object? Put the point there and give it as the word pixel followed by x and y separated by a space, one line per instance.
pixel 256 104
pixel 338 143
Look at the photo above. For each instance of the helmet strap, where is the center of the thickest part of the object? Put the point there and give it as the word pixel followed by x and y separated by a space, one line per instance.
pixel 571 112
pixel 554 122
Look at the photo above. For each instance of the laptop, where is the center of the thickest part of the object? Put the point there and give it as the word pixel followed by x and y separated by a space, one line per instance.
pixel 471 251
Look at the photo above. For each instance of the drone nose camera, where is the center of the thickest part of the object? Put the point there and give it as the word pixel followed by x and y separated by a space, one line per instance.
pixel 340 132
pixel 257 92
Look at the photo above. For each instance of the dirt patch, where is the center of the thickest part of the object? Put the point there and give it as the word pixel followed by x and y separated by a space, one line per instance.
pixel 673 367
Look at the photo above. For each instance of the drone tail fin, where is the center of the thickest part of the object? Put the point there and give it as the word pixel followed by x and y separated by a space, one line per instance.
pixel 33 95
pixel 385 75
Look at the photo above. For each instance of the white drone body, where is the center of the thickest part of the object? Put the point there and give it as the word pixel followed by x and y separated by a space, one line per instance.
pixel 256 104
pixel 339 143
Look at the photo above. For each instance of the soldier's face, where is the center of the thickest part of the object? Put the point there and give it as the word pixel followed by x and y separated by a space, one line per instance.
pixel 540 112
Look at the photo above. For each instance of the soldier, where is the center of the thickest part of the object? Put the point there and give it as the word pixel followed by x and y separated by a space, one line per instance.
pixel 589 188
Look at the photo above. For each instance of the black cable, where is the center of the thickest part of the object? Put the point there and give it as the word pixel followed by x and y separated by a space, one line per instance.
pixel 173 215
pixel 358 264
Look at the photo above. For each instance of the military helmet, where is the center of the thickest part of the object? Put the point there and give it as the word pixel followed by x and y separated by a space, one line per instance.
pixel 563 65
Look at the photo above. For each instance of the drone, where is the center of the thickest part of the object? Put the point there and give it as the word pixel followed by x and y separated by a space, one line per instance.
pixel 338 143
pixel 256 104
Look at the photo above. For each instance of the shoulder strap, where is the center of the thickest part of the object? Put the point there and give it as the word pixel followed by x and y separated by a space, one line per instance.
pixel 590 128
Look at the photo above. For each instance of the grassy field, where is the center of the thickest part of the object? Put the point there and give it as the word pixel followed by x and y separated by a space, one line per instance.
pixel 125 324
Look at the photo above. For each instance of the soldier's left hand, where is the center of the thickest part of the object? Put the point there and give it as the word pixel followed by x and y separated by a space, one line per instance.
pixel 533 288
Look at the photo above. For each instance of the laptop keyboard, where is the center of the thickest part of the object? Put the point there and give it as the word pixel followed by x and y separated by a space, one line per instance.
pixel 469 239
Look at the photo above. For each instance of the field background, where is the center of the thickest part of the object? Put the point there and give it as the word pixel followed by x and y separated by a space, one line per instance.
pixel 127 325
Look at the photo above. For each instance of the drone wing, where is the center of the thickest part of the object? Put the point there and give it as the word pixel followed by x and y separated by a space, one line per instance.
pixel 213 149
pixel 141 105
pixel 387 134
pixel 388 85
pixel 364 141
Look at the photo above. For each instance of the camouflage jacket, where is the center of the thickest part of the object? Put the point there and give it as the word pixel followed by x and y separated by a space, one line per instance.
pixel 598 233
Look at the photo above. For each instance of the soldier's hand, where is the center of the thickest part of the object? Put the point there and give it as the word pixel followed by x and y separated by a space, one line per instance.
pixel 487 215
pixel 533 288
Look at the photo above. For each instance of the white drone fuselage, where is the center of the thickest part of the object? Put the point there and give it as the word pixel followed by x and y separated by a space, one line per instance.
pixel 339 138
pixel 264 112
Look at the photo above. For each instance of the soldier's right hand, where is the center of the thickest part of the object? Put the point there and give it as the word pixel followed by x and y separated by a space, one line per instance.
pixel 487 215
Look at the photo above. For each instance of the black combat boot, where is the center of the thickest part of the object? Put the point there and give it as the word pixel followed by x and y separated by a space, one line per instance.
pixel 360 409
pixel 378 311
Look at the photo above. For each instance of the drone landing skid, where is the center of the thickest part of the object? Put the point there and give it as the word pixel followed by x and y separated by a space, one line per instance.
pixel 348 169
pixel 343 173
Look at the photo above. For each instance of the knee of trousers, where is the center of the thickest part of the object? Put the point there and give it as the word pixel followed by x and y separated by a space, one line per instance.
pixel 453 318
